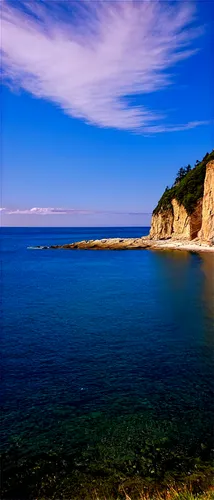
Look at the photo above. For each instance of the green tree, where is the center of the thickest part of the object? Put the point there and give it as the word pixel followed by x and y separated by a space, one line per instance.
pixel 180 175
pixel 188 168
pixel 188 187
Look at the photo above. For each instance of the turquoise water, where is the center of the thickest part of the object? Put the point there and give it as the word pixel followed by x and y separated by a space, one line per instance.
pixel 107 357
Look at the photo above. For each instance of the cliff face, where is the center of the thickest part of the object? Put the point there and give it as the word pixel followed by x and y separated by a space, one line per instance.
pixel 207 228
pixel 181 221
pixel 176 223
pixel 196 220
pixel 162 225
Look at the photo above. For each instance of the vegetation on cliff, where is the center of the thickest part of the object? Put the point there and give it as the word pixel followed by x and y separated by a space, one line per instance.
pixel 188 187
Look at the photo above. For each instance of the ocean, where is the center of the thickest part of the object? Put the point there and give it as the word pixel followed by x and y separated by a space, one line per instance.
pixel 107 362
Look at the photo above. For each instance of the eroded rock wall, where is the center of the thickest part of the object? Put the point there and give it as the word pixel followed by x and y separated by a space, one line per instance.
pixel 162 225
pixel 207 229
pixel 176 223
pixel 181 221
pixel 196 220
pixel 173 223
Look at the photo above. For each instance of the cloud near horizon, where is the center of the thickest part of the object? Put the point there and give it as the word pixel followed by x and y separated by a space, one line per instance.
pixel 93 59
pixel 63 211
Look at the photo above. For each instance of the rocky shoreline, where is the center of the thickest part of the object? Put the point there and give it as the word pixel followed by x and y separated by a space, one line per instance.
pixel 143 243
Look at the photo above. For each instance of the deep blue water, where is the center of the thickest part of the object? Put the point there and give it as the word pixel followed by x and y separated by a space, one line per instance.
pixel 98 345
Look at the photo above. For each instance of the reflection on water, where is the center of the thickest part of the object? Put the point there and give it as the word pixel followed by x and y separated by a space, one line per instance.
pixel 207 298
pixel 180 292
pixel 207 266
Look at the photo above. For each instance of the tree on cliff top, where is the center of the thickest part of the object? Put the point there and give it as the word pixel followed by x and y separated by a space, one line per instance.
pixel 181 174
pixel 188 187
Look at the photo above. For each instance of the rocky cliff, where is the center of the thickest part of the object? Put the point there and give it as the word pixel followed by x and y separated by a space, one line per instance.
pixel 176 223
pixel 206 233
pixel 162 225
pixel 186 211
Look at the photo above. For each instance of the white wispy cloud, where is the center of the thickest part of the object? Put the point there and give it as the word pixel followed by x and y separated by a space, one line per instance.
pixel 175 128
pixel 63 211
pixel 45 211
pixel 92 58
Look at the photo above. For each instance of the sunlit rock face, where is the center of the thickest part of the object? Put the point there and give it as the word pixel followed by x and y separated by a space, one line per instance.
pixel 206 233
pixel 181 221
pixel 162 225
pixel 178 224
pixel 175 223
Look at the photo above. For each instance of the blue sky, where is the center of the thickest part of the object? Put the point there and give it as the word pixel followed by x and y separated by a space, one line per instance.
pixel 95 141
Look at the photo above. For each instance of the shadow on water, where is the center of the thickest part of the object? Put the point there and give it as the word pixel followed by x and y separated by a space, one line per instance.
pixel 207 266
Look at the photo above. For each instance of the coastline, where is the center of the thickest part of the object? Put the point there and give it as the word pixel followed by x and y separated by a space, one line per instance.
pixel 192 246
pixel 144 243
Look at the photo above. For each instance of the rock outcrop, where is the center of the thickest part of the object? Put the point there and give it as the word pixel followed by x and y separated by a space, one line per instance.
pixel 107 244
pixel 196 220
pixel 144 243
pixel 162 225
pixel 181 221
pixel 175 222
pixel 206 233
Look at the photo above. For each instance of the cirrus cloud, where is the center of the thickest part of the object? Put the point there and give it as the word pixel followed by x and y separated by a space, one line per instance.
pixel 91 58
